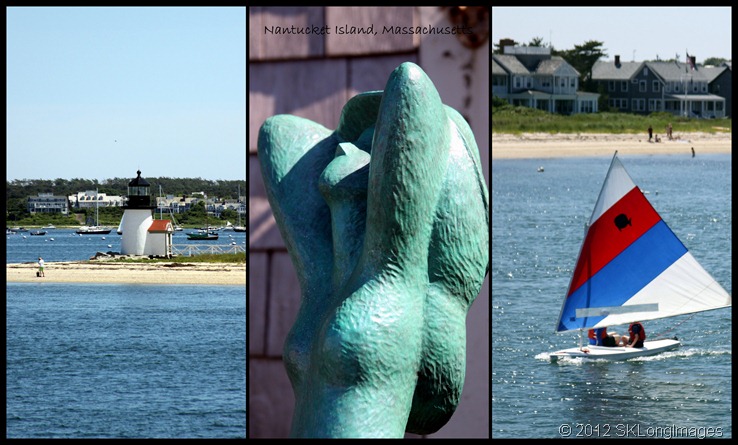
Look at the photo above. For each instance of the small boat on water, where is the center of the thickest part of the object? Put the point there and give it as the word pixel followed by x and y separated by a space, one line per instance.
pixel 38 232
pixel 96 229
pixel 632 268
pixel 227 227
pixel 239 227
pixel 206 233
pixel 93 230
pixel 202 235
pixel 49 226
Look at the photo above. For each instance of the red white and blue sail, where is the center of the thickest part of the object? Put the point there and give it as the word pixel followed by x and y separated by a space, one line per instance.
pixel 631 266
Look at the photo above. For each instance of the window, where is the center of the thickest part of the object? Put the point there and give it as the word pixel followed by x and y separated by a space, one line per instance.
pixel 621 104
pixel 610 85
pixel 642 86
pixel 655 86
pixel 645 71
pixel 624 86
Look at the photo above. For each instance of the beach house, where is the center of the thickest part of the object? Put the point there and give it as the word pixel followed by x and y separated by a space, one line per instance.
pixel 682 89
pixel 530 76
pixel 48 203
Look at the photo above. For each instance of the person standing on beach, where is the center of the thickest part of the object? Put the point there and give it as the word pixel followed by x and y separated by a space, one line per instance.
pixel 650 133
pixel 668 132
pixel 40 267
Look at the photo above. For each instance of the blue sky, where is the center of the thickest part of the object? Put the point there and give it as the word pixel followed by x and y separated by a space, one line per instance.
pixel 643 32
pixel 99 92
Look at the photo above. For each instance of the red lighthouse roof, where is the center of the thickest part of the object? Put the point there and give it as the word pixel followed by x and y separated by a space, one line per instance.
pixel 161 225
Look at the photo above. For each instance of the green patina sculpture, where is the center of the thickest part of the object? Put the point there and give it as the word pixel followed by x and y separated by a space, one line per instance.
pixel 386 220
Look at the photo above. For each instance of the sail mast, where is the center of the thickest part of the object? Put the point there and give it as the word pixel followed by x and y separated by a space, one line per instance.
pixel 631 266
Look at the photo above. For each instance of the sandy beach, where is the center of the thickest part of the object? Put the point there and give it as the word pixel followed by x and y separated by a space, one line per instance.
pixel 100 272
pixel 544 145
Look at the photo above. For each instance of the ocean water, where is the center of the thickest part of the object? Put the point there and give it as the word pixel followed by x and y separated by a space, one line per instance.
pixel 125 361
pixel 538 226
pixel 66 245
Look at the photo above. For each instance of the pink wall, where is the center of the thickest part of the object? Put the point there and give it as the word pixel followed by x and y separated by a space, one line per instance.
pixel 313 76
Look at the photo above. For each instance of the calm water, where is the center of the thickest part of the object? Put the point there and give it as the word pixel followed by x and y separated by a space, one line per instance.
pixel 65 245
pixel 125 361
pixel 538 225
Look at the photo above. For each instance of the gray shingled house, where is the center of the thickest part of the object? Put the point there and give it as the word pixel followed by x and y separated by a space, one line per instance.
pixel 682 89
pixel 532 77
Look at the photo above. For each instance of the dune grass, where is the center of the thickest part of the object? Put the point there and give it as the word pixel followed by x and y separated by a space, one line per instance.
pixel 202 258
pixel 517 120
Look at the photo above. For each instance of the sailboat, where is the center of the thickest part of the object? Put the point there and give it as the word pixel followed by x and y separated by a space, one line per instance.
pixel 203 234
pixel 239 227
pixel 96 229
pixel 632 268
pixel 176 226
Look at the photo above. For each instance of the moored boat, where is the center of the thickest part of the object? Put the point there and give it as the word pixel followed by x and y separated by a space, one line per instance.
pixel 93 230
pixel 202 235
pixel 96 229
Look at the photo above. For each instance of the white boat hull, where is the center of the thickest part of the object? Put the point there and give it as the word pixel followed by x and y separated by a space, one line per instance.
pixel 617 353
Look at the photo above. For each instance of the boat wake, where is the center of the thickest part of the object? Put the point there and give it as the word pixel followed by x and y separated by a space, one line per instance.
pixel 668 355
pixel 683 353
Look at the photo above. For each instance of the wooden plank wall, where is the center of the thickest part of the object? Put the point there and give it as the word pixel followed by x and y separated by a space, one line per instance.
pixel 312 76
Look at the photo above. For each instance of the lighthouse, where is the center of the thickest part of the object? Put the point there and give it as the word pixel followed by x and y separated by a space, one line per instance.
pixel 141 234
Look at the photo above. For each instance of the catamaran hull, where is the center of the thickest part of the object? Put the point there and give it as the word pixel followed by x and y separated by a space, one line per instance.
pixel 617 353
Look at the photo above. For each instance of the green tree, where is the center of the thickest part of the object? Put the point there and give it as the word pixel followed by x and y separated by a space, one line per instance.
pixel 715 61
pixel 498 47
pixel 229 215
pixel 583 58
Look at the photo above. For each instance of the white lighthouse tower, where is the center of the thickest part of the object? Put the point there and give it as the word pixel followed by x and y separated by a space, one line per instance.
pixel 137 218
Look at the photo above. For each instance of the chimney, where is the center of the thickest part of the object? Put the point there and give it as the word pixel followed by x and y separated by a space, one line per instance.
pixel 504 43
pixel 617 60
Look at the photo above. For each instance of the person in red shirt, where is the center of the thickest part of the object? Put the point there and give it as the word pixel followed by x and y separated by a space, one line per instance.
pixel 636 336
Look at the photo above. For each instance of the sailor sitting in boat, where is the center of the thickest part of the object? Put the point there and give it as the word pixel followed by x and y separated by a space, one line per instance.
pixel 600 337
pixel 636 336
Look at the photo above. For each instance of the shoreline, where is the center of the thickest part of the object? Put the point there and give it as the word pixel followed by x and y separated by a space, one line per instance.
pixel 105 272
pixel 545 145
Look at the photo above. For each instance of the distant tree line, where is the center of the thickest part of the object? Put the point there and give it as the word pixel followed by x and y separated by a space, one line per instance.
pixel 23 188
pixel 18 191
